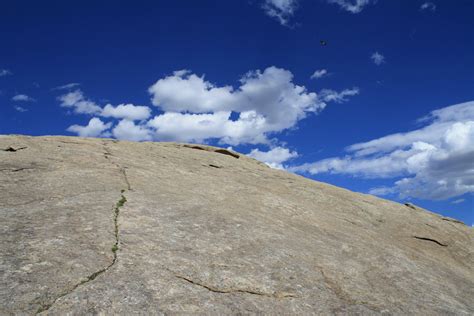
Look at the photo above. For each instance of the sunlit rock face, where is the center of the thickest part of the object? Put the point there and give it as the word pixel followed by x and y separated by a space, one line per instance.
pixel 96 226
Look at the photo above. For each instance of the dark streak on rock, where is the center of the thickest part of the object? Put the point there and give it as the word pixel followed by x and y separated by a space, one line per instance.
pixel 430 239
pixel 452 220
pixel 228 291
pixel 210 149
pixel 12 149
pixel 413 207
pixel 227 152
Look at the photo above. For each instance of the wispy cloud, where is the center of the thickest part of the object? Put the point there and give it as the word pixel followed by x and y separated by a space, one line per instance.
pixel 67 86
pixel 458 201
pixel 429 6
pixel 378 58
pixel 329 95
pixel 319 74
pixel 281 10
pixel 433 162
pixel 352 6
pixel 5 72
pixel 23 98
pixel 19 108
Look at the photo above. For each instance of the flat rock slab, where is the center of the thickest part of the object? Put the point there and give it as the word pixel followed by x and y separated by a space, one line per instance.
pixel 97 226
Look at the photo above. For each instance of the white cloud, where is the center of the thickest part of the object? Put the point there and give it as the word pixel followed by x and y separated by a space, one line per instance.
pixel 274 157
pixel 352 6
pixel 5 72
pixel 319 74
pixel 79 103
pixel 433 162
pixel 382 191
pixel 328 95
pixel 458 201
pixel 428 6
pixel 20 109
pixel 195 110
pixel 127 130
pixel 282 10
pixel 126 111
pixel 67 86
pixel 266 102
pixel 95 128
pixel 22 98
pixel 184 91
pixel 378 58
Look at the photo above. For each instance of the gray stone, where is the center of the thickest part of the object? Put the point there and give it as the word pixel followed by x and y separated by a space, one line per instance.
pixel 96 226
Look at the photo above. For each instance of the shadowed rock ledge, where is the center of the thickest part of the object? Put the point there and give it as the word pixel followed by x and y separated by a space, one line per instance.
pixel 99 226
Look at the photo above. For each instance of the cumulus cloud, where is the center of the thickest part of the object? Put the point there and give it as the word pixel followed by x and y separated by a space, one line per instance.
pixel 378 58
pixel 433 162
pixel 274 157
pixel 126 111
pixel 22 98
pixel 95 128
pixel 195 110
pixel 430 6
pixel 128 130
pixel 319 74
pixel 264 103
pixel 281 10
pixel 352 6
pixel 81 105
pixel 77 101
pixel 5 72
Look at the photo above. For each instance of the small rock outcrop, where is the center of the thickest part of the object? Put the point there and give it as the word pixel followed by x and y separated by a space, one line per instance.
pixel 98 226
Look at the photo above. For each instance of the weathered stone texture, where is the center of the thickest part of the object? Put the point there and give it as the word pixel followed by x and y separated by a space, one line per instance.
pixel 98 226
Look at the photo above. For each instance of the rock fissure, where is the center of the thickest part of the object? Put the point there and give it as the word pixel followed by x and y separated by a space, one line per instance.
pixel 12 149
pixel 430 239
pixel 230 291
pixel 107 155
pixel 93 276
pixel 17 169
pixel 341 294
pixel 219 150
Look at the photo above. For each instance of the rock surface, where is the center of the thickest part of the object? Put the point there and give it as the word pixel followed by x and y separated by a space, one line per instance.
pixel 96 226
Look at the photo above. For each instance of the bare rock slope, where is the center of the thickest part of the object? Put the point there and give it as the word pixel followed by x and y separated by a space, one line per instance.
pixel 95 226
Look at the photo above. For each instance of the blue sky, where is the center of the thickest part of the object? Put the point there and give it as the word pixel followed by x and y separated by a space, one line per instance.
pixel 386 106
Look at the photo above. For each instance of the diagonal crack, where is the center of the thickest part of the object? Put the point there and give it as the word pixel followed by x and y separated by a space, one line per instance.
pixel 115 248
pixel 227 291
pixel 430 239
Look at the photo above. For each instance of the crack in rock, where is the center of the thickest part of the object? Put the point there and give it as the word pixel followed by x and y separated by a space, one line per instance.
pixel 430 239
pixel 12 149
pixel 210 149
pixel 17 169
pixel 93 276
pixel 229 291
pixel 107 155
pixel 342 295
pixel 115 247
